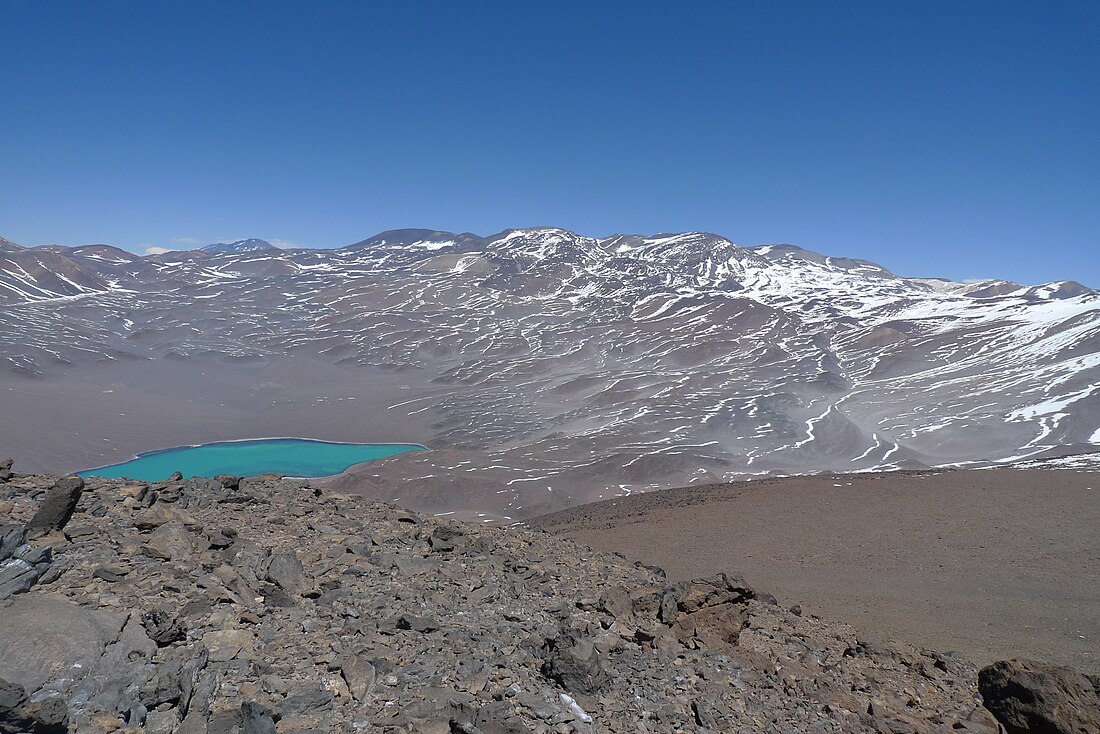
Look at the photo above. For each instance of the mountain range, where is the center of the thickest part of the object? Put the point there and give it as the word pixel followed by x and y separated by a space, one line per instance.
pixel 546 368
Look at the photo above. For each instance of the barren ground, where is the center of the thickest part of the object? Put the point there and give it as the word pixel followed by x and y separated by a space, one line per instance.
pixel 995 564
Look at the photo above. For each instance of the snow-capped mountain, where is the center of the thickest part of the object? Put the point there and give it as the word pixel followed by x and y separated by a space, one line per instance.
pixel 551 361
pixel 249 245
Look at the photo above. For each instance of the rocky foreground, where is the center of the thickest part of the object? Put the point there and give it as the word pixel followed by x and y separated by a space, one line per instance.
pixel 262 605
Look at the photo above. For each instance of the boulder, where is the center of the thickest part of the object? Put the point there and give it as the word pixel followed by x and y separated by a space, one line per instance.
pixel 43 637
pixel 446 539
pixel 115 677
pixel 617 603
pixel 257 719
pixel 170 542
pixel 162 627
pixel 228 481
pixel 161 514
pixel 18 576
pixel 224 645
pixel 11 538
pixel 18 714
pixel 574 664
pixel 359 674
pixel 162 722
pixel 58 505
pixel 285 571
pixel 710 592
pixel 1029 696
pixel 13 717
pixel 712 627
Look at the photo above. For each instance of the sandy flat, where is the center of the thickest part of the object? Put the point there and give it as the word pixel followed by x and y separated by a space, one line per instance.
pixel 994 564
pixel 109 413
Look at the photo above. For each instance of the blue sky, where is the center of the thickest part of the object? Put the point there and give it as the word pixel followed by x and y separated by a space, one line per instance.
pixel 959 139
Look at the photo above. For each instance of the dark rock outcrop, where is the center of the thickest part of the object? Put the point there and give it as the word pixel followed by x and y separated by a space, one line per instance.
pixel 58 505
pixel 1028 696
pixel 21 565
pixel 11 538
pixel 574 664
pixel 20 715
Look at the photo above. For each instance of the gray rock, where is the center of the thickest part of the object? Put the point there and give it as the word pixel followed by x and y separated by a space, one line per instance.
pixel 257 719
pixel 225 721
pixel 471 629
pixel 719 589
pixel 113 678
pixel 162 722
pixel 616 602
pixel 35 556
pixel 193 723
pixel 224 645
pixel 574 665
pixel 136 715
pixel 285 571
pixel 57 506
pixel 445 539
pixel 162 627
pixel 170 542
pixel 17 576
pixel 48 716
pixel 43 637
pixel 19 714
pixel 13 715
pixel 12 697
pixel 221 537
pixel 306 697
pixel 12 538
pixel 160 514
pixel 191 676
pixel 275 597
pixel 416 624
pixel 199 702
pixel 228 481
pixel 359 674
pixel 107 575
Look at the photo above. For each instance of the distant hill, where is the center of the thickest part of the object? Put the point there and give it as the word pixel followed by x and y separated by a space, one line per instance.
pixel 249 245
pixel 8 245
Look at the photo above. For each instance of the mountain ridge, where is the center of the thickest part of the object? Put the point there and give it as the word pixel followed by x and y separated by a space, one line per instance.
pixel 558 368
pixel 251 244
pixel 468 241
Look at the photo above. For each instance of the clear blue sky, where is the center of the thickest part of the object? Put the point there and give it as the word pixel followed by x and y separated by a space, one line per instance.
pixel 938 138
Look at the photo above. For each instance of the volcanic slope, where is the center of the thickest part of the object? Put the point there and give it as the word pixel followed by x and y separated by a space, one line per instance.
pixel 546 368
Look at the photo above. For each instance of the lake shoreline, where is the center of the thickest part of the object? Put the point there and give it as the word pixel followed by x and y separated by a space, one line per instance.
pixel 307 458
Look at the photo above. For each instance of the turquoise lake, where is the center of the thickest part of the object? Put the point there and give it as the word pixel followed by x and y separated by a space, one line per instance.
pixel 298 457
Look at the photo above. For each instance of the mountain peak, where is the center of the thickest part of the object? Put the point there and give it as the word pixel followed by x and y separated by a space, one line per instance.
pixel 249 245
pixel 414 236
